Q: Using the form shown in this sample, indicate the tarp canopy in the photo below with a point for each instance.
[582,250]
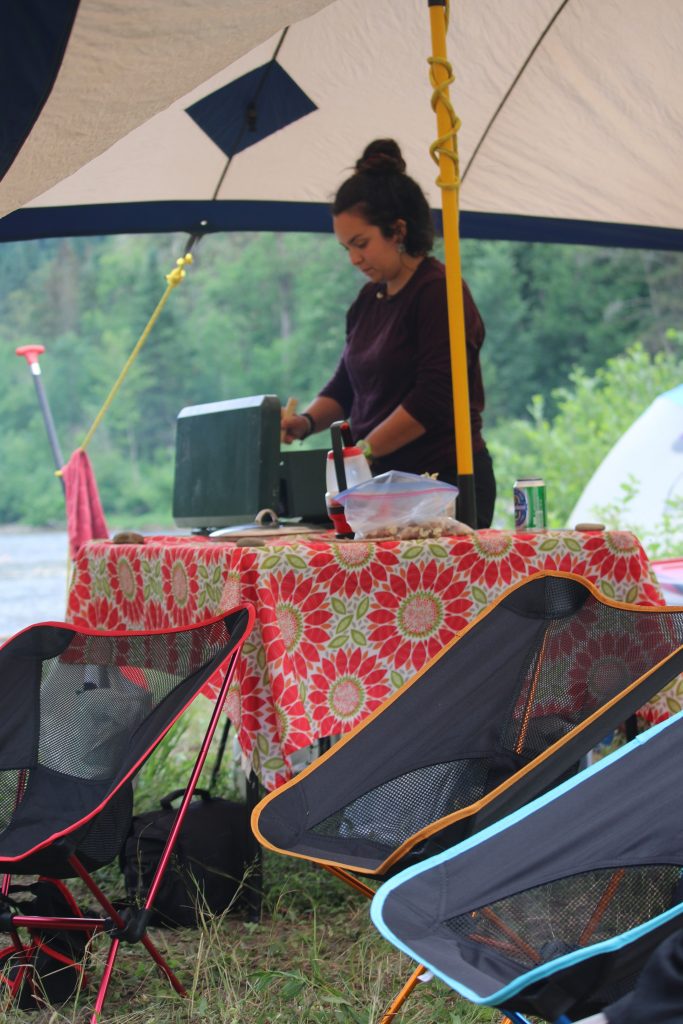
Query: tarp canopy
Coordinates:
[122,117]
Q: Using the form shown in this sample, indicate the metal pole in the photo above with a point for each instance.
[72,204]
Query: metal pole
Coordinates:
[30,353]
[449,184]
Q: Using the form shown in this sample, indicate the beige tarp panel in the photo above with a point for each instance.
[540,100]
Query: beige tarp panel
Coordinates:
[124,63]
[570,109]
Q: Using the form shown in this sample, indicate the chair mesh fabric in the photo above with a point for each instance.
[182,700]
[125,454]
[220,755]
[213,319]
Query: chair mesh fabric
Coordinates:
[82,711]
[580,662]
[554,910]
[12,786]
[91,704]
[393,812]
[550,664]
[95,694]
[103,702]
[547,921]
[103,838]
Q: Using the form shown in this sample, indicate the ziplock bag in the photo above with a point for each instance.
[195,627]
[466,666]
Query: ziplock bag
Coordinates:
[402,506]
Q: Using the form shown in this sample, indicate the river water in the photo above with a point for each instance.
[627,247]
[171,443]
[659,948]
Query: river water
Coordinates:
[33,578]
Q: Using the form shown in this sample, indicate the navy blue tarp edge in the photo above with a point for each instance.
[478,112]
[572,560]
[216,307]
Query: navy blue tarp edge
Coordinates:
[32,44]
[197,217]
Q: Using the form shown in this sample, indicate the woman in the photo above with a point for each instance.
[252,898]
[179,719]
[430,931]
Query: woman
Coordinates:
[393,380]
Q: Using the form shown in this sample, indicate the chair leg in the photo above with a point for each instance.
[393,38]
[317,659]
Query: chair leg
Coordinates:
[24,969]
[418,973]
[113,913]
[368,892]
[104,981]
[400,999]
[140,934]
[350,879]
[109,967]
[121,925]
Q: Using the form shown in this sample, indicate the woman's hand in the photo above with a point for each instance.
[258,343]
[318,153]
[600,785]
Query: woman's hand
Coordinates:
[293,427]
[321,412]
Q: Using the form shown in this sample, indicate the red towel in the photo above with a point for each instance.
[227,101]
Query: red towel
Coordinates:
[84,516]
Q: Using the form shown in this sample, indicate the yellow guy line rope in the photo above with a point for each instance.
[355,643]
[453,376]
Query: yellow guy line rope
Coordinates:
[447,144]
[173,279]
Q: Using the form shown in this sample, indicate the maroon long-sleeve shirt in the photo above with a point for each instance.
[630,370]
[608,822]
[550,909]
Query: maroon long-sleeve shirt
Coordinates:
[397,353]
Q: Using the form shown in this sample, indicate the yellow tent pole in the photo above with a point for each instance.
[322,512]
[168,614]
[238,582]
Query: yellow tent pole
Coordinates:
[449,182]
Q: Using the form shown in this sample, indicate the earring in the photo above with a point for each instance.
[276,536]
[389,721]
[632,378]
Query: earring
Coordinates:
[400,247]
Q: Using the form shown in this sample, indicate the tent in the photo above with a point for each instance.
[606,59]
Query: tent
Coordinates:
[650,453]
[122,117]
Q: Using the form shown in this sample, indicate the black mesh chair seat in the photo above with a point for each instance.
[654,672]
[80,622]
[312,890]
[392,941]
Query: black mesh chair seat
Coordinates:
[503,713]
[555,910]
[81,712]
[40,816]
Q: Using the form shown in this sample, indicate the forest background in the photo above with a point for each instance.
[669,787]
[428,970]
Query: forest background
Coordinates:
[579,341]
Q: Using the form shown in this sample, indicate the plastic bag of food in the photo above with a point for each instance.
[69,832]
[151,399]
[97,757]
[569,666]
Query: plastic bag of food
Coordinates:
[401,506]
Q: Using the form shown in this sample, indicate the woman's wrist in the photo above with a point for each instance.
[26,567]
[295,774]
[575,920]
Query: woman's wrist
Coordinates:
[366,448]
[311,425]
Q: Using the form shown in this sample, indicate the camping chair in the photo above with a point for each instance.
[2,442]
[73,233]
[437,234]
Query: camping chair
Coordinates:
[82,711]
[554,910]
[500,715]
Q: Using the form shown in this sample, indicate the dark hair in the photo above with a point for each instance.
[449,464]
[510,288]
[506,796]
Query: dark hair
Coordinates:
[383,193]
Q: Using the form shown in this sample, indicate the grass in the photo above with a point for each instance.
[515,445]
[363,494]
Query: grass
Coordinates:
[314,958]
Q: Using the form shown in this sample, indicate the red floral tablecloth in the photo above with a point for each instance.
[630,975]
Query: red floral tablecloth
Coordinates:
[339,626]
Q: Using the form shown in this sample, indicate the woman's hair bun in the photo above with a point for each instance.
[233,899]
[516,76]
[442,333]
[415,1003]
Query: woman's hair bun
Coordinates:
[382,156]
[382,193]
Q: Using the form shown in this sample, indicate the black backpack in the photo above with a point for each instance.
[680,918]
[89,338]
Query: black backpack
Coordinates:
[207,866]
[56,957]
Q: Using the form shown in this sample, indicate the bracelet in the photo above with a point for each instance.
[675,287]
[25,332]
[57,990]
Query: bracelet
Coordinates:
[366,449]
[311,425]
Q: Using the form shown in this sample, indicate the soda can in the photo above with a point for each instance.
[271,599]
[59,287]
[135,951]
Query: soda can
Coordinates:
[529,494]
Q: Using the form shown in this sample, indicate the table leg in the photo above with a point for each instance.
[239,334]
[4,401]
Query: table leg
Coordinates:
[254,882]
[254,855]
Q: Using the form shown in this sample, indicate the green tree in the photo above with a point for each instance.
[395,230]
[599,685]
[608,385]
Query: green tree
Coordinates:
[550,307]
[265,314]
